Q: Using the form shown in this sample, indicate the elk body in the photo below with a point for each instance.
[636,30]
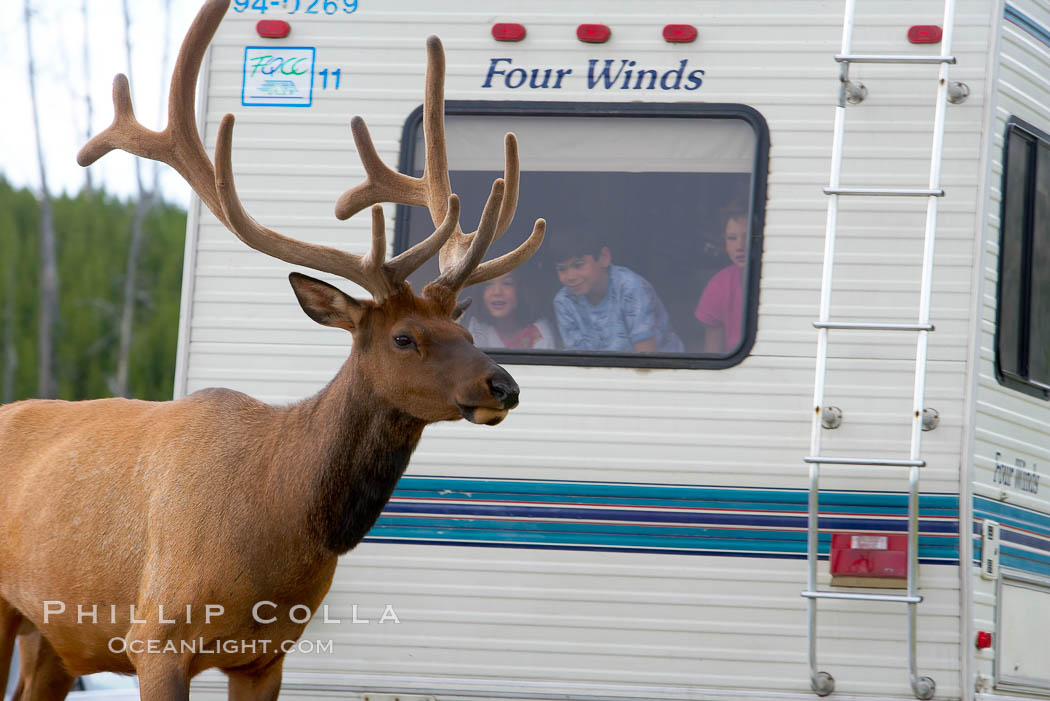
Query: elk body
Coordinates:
[218,500]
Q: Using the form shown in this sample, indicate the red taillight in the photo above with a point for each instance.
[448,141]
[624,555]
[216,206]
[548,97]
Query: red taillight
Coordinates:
[272,28]
[869,555]
[508,31]
[984,640]
[680,33]
[924,34]
[593,33]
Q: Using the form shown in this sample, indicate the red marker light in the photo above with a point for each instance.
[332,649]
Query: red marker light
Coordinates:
[508,31]
[924,34]
[680,33]
[984,640]
[593,33]
[272,28]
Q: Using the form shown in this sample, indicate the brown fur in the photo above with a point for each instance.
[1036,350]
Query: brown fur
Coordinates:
[217,499]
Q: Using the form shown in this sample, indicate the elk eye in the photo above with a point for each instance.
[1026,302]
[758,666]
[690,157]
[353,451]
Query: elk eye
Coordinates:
[403,341]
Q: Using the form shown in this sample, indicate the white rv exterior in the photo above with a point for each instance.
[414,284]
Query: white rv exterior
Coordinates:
[640,532]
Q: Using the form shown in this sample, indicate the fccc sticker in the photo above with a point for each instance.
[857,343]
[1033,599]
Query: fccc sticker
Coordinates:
[278,77]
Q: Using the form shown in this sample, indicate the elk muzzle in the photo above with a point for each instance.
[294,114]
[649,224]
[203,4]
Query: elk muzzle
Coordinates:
[502,396]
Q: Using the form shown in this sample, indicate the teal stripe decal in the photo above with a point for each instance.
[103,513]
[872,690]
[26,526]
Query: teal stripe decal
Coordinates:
[687,519]
[1024,536]
[1008,514]
[1026,23]
[665,494]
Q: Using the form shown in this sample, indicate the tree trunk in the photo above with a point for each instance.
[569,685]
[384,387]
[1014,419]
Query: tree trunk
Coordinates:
[88,182]
[46,385]
[165,58]
[142,207]
[9,355]
[127,316]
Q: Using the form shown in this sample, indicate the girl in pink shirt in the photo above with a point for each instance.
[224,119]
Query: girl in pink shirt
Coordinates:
[721,306]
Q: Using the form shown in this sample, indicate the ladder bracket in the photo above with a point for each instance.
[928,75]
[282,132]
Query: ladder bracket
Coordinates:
[931,419]
[831,417]
[850,91]
[923,688]
[823,683]
[854,92]
[958,92]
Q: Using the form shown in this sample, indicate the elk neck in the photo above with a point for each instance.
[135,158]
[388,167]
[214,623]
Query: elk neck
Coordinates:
[356,449]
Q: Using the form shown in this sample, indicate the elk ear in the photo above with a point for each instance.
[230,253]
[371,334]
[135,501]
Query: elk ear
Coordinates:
[325,304]
[461,307]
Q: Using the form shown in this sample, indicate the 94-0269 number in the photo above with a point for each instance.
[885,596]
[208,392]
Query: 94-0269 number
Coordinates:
[309,7]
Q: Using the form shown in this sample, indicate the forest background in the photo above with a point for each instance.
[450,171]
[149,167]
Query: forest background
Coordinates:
[90,259]
[92,236]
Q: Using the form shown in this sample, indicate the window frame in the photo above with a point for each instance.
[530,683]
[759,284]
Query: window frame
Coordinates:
[1021,383]
[759,176]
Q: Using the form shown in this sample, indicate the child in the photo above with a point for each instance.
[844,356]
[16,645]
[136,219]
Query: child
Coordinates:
[607,307]
[502,322]
[721,306]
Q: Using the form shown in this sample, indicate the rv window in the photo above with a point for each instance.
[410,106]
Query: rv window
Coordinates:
[1023,328]
[654,217]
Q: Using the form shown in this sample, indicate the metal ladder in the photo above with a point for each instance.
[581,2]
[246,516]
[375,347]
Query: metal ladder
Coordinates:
[822,682]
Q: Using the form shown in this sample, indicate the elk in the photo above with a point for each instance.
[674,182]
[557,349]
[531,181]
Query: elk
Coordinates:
[218,500]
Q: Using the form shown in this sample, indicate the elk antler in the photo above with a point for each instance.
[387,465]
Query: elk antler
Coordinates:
[371,272]
[180,146]
[383,184]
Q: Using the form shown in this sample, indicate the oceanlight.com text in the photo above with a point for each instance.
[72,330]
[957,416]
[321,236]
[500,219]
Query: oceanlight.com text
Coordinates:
[200,646]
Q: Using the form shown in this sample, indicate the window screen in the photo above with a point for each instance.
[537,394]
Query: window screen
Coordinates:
[653,230]
[1023,328]
[1039,328]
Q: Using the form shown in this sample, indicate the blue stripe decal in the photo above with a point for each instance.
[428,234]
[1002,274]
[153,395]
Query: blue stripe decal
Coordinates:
[737,519]
[665,494]
[654,551]
[1038,542]
[1008,557]
[650,518]
[1008,514]
[1024,535]
[1026,23]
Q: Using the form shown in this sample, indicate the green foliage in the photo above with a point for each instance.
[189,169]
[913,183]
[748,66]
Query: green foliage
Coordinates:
[93,231]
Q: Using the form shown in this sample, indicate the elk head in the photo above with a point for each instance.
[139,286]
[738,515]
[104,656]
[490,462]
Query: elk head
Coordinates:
[407,347]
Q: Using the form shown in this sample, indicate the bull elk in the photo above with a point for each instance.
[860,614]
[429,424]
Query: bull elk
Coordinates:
[217,499]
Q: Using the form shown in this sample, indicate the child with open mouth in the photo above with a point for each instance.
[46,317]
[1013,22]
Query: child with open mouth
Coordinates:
[503,320]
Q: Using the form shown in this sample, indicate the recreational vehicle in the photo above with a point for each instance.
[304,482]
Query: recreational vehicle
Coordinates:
[814,462]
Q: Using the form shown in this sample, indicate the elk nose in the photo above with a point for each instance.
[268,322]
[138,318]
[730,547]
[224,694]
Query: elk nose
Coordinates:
[503,389]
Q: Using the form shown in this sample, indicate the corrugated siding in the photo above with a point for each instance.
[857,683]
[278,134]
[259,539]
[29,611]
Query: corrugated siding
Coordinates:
[630,618]
[1009,422]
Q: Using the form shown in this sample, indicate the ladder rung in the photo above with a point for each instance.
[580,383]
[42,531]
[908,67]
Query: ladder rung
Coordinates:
[901,58]
[864,461]
[883,192]
[872,326]
[862,597]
